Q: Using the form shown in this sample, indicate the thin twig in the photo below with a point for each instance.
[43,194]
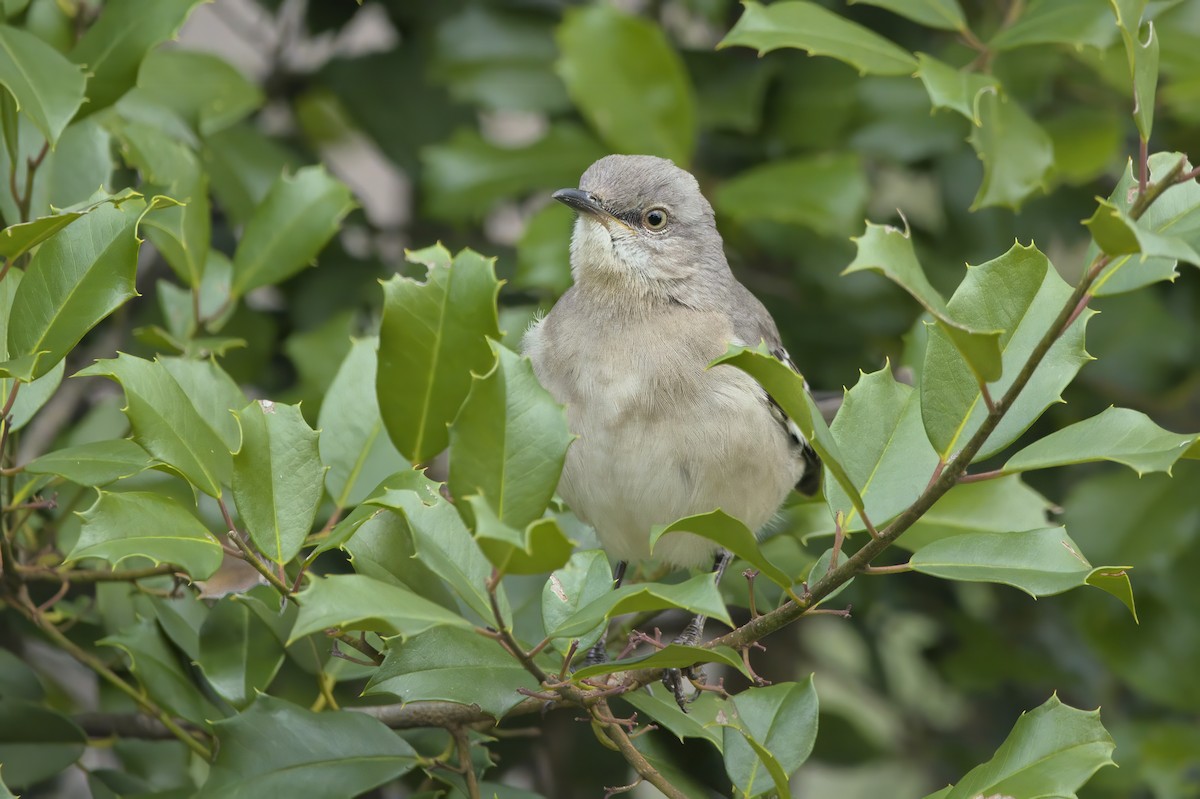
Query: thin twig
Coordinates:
[463,741]
[258,564]
[898,568]
[1143,165]
[617,734]
[979,477]
[98,666]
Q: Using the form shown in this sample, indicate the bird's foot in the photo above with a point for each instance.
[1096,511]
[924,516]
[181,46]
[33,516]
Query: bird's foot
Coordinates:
[675,679]
[598,653]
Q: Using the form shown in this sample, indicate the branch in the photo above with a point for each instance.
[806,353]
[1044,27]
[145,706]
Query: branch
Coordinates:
[95,664]
[462,740]
[616,733]
[84,576]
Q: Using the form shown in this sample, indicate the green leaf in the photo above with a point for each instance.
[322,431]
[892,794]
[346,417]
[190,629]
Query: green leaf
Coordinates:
[403,480]
[277,477]
[818,571]
[952,88]
[807,26]
[76,279]
[941,14]
[788,388]
[1117,233]
[466,176]
[731,534]
[140,523]
[1051,751]
[16,240]
[353,443]
[94,464]
[205,90]
[238,653]
[1174,217]
[827,193]
[1117,434]
[243,164]
[1129,15]
[212,392]
[509,441]
[382,547]
[1021,293]
[1078,23]
[442,542]
[582,580]
[700,720]
[275,747]
[1039,562]
[162,151]
[453,665]
[887,454]
[182,232]
[671,656]
[539,548]
[36,743]
[432,337]
[167,423]
[160,672]
[628,82]
[1017,154]
[112,49]
[769,735]
[70,175]
[1143,64]
[355,602]
[889,252]
[697,595]
[46,86]
[293,223]
[30,396]
[989,506]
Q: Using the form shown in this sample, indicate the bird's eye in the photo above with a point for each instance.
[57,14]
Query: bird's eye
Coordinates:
[655,219]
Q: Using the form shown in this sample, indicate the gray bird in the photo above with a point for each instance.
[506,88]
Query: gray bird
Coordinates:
[626,349]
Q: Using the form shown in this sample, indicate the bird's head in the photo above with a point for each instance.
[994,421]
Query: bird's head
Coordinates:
[642,221]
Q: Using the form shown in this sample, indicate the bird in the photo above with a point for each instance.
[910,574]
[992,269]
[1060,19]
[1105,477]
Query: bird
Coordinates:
[659,434]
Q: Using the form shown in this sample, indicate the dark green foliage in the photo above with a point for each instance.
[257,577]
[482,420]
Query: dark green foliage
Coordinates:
[303,539]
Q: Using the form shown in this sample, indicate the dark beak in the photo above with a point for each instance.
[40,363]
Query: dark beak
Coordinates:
[582,201]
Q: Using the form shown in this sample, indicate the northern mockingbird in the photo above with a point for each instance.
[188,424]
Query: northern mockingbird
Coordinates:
[626,349]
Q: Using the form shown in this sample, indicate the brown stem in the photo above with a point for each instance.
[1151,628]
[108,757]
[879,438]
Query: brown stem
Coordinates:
[284,590]
[895,569]
[616,733]
[254,560]
[94,575]
[31,167]
[1143,165]
[462,740]
[979,477]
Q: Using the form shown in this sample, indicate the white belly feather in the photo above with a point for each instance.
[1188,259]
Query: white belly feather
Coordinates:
[661,438]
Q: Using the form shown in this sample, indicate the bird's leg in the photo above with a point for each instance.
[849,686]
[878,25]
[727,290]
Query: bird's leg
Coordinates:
[691,635]
[599,652]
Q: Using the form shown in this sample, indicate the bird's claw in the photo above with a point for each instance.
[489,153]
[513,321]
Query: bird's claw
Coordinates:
[598,653]
[674,680]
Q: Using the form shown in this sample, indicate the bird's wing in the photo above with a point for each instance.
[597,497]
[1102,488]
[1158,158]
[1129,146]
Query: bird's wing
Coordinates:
[753,323]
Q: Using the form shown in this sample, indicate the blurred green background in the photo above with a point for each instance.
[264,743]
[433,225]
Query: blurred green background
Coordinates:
[454,120]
